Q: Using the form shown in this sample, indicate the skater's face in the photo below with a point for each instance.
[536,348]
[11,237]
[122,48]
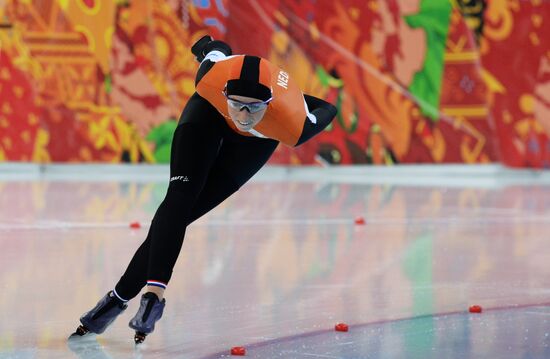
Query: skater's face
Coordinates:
[246,112]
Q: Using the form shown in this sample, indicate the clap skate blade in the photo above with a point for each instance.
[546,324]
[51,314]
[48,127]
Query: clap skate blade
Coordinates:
[81,332]
[139,337]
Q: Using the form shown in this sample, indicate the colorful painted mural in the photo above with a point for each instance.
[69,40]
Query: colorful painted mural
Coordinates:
[415,81]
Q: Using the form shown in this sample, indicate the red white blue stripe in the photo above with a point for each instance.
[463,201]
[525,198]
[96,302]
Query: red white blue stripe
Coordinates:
[157,283]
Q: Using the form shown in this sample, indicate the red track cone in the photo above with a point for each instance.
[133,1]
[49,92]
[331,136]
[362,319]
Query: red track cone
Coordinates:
[475,309]
[341,327]
[238,351]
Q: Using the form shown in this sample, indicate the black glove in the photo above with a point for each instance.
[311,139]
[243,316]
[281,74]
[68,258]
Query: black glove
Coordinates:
[206,44]
[198,47]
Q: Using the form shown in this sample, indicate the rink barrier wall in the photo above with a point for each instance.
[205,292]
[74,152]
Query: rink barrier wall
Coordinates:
[456,175]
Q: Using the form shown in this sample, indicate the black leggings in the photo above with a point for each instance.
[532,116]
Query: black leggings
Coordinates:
[209,162]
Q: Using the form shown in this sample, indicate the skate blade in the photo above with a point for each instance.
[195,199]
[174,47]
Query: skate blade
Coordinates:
[81,334]
[139,338]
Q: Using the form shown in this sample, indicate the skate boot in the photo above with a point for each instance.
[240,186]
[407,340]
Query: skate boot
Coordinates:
[98,319]
[150,310]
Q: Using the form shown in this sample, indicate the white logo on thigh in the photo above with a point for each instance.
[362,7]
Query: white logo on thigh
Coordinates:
[180,178]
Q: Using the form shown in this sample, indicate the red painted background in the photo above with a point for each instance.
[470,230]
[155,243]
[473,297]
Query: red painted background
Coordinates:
[414,80]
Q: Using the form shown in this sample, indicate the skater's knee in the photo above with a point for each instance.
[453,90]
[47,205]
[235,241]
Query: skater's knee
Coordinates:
[178,197]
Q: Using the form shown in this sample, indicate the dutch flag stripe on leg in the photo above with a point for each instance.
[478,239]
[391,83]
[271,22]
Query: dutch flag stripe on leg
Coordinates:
[156,283]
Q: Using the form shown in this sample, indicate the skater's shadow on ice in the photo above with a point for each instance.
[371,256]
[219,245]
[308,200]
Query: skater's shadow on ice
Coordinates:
[88,348]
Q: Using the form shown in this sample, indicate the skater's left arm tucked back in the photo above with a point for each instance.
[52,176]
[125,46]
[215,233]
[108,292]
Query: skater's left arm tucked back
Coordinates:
[208,51]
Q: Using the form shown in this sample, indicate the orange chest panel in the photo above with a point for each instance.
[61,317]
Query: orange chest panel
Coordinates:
[285,115]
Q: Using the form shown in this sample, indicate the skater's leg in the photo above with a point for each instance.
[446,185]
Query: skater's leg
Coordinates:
[194,149]
[168,229]
[197,111]
[235,165]
[135,276]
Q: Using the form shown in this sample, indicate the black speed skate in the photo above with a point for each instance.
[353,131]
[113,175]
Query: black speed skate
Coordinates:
[100,317]
[150,310]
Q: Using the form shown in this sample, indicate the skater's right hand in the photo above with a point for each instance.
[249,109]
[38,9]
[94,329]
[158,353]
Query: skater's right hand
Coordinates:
[198,47]
[205,44]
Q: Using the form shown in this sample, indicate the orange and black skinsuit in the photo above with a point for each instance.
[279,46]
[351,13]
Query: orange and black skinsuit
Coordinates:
[211,159]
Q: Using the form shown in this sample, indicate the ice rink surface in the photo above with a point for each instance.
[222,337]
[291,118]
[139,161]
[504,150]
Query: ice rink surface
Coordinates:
[276,266]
